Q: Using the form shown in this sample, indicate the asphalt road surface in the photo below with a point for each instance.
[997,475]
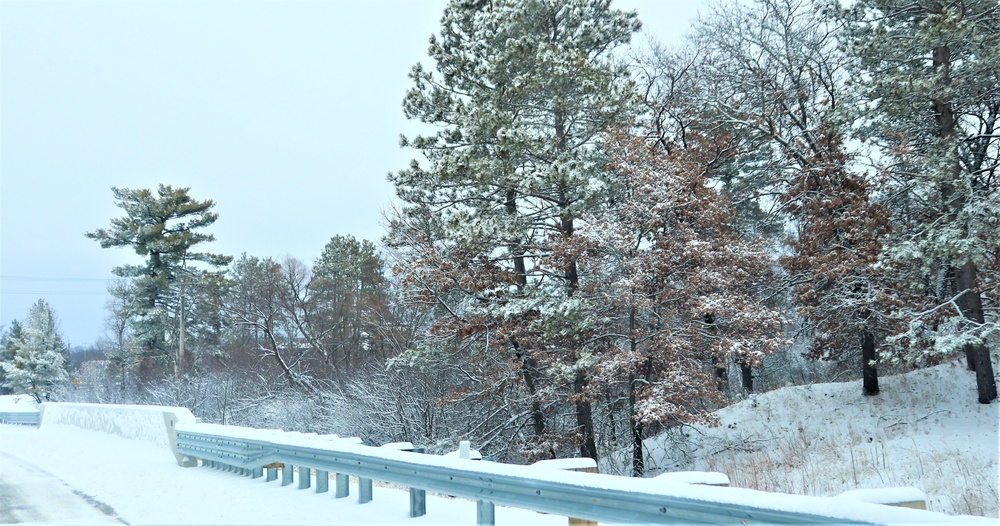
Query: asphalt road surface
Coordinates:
[30,495]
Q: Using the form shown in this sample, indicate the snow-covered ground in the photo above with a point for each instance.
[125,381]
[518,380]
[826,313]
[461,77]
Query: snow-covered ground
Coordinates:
[925,430]
[17,403]
[140,483]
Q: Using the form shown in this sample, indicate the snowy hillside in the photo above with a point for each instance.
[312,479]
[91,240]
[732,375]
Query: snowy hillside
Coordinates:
[924,430]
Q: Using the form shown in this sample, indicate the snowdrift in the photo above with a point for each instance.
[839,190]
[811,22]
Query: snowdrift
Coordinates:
[924,430]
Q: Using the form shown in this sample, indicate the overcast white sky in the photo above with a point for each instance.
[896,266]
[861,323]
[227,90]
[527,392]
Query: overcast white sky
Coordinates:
[286,113]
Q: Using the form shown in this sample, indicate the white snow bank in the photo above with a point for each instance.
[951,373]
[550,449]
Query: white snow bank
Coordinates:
[709,478]
[925,430]
[885,495]
[568,464]
[17,404]
[145,423]
[399,446]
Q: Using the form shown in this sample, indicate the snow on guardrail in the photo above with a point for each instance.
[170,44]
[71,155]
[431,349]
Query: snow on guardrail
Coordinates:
[19,409]
[590,496]
[145,423]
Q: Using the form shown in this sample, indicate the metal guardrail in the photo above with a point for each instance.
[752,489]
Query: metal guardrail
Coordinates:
[27,418]
[595,497]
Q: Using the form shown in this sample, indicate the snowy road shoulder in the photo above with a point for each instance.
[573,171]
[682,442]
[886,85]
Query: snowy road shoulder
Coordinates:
[28,494]
[144,485]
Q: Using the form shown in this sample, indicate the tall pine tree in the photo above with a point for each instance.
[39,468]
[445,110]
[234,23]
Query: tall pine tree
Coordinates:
[163,227]
[521,93]
[930,72]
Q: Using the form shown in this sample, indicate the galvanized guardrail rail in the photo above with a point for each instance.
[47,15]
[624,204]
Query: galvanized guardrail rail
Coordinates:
[595,497]
[27,418]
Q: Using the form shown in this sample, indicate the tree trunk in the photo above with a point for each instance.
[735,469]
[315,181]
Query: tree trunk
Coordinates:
[584,410]
[978,356]
[869,355]
[638,460]
[719,366]
[970,303]
[529,373]
[986,385]
[584,417]
[746,375]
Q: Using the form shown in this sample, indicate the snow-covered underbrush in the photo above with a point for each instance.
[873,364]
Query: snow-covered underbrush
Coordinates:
[925,430]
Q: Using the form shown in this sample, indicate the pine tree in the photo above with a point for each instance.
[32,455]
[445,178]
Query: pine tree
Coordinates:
[162,227]
[35,354]
[521,93]
[348,284]
[930,74]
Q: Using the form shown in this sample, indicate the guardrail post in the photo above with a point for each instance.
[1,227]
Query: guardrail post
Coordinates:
[287,474]
[418,502]
[485,513]
[904,497]
[418,497]
[343,488]
[364,490]
[322,481]
[582,465]
[305,477]
[257,473]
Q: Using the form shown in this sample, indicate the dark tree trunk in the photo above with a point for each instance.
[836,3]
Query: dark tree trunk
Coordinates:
[971,304]
[584,417]
[869,356]
[978,356]
[529,373]
[529,366]
[746,375]
[638,458]
[970,357]
[719,367]
[721,373]
[584,409]
[986,385]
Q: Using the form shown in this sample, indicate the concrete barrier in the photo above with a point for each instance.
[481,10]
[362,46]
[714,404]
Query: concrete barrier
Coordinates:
[146,423]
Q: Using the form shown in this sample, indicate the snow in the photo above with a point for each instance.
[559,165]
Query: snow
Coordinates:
[28,495]
[136,422]
[696,477]
[925,430]
[17,404]
[568,464]
[143,485]
[885,495]
[399,446]
[918,418]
